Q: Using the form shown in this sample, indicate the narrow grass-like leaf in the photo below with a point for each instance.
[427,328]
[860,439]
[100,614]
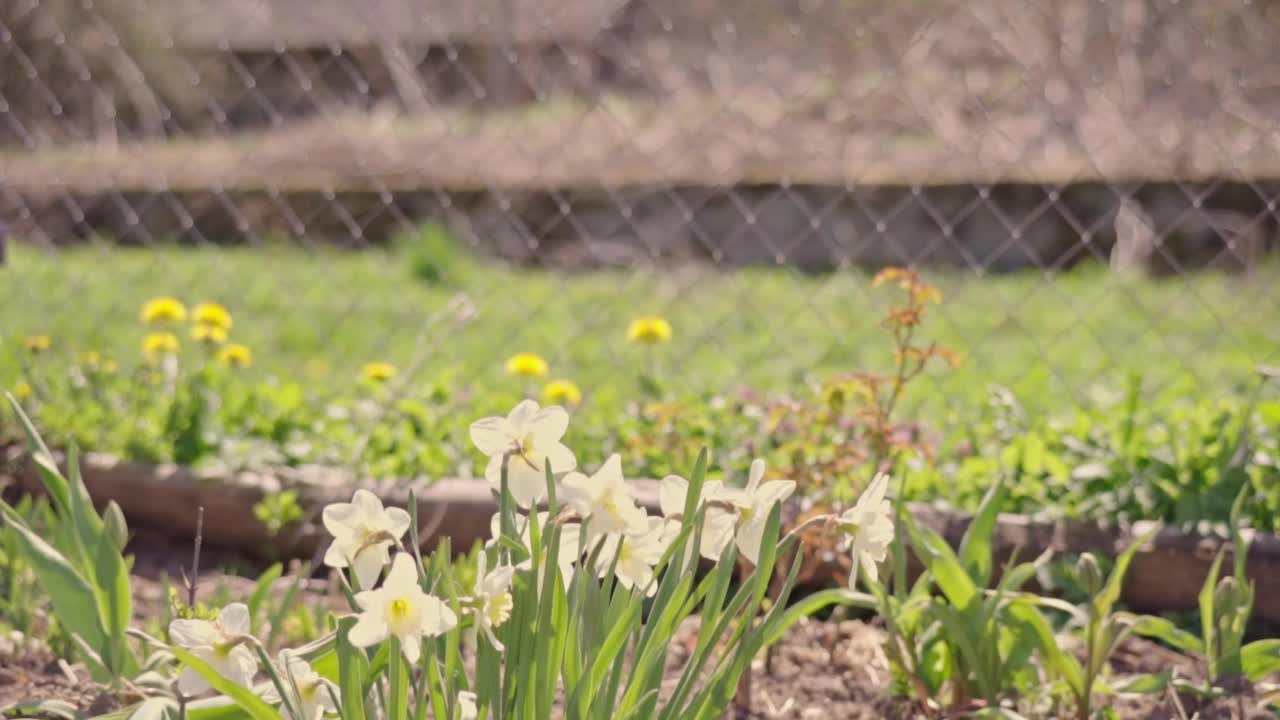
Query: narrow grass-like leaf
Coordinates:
[353,665]
[1110,593]
[398,674]
[259,595]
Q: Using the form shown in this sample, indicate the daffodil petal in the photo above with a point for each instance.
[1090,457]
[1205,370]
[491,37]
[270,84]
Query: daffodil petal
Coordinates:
[368,631]
[560,457]
[234,619]
[194,633]
[672,492]
[190,683]
[549,425]
[492,436]
[368,565]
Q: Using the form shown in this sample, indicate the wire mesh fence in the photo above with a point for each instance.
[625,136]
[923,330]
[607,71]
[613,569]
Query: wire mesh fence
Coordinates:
[737,166]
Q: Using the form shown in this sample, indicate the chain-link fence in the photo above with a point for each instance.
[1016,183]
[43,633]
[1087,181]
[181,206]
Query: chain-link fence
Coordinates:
[676,145]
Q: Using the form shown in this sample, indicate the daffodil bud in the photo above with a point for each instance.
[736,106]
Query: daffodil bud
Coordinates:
[1089,573]
[1226,597]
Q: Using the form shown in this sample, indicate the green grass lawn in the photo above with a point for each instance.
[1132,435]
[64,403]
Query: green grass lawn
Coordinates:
[1055,342]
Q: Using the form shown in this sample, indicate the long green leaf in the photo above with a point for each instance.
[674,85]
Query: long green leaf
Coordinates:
[1115,582]
[811,604]
[353,665]
[976,554]
[115,606]
[54,482]
[244,697]
[260,590]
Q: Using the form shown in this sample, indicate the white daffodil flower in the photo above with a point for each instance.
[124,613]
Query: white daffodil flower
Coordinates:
[363,533]
[492,598]
[868,528]
[400,608]
[719,520]
[569,539]
[220,643]
[636,555]
[754,503]
[310,695]
[532,436]
[467,706]
[605,500]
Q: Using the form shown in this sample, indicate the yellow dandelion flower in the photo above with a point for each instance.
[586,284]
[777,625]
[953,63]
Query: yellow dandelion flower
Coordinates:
[236,355]
[36,344]
[162,310]
[562,392]
[93,361]
[378,372]
[157,345]
[211,314]
[650,330]
[22,390]
[208,334]
[527,365]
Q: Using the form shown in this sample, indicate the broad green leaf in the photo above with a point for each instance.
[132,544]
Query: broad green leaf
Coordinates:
[1145,684]
[976,554]
[1260,658]
[1064,664]
[353,664]
[216,708]
[51,708]
[243,697]
[942,564]
[1164,630]
[72,597]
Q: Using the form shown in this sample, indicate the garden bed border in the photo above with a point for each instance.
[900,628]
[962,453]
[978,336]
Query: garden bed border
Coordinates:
[1166,575]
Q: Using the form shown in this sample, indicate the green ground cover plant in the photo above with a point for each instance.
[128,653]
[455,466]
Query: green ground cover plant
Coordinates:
[1150,432]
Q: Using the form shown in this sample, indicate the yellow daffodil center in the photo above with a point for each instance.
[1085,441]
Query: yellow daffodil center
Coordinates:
[610,506]
[400,608]
[498,609]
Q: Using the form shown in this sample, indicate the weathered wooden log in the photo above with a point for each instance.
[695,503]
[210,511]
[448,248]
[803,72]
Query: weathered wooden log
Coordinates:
[1165,575]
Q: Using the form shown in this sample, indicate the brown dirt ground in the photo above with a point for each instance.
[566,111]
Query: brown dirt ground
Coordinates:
[819,670]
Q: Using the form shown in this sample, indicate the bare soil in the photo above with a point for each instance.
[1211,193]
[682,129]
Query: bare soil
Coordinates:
[819,670]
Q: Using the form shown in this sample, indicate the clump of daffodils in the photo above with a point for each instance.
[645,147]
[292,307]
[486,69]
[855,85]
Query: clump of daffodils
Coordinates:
[530,641]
